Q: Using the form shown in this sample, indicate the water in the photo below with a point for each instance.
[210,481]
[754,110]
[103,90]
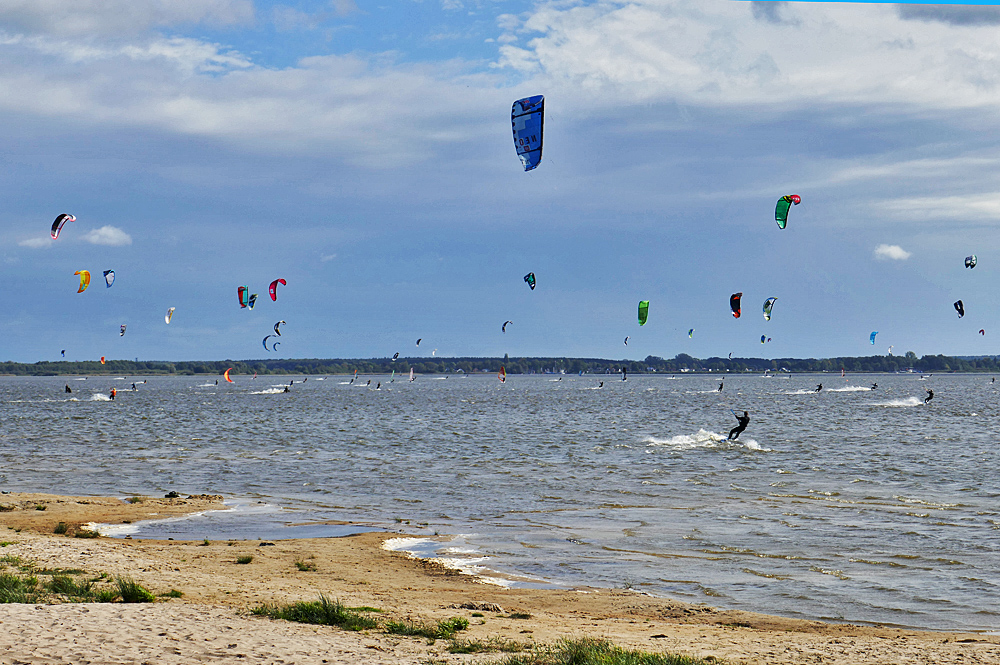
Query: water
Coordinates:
[848,505]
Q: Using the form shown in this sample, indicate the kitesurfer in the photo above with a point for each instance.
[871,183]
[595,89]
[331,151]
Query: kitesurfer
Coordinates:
[133,387]
[720,386]
[378,386]
[216,382]
[874,386]
[287,389]
[369,382]
[743,421]
[819,387]
[930,395]
[113,393]
[68,389]
[601,385]
[624,374]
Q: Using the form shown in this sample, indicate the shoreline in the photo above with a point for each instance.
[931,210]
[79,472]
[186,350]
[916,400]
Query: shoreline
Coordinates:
[359,571]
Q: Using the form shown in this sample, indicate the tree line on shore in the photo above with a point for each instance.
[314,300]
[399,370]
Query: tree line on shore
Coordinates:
[651,364]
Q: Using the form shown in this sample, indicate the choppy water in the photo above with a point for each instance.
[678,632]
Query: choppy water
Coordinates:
[854,505]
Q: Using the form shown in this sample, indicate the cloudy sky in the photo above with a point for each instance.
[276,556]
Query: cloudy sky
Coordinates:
[363,153]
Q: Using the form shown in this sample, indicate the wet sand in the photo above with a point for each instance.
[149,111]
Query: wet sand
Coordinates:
[210,623]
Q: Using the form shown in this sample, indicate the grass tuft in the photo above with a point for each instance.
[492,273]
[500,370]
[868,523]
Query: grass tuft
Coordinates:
[246,558]
[40,507]
[60,528]
[16,589]
[492,645]
[588,651]
[305,567]
[136,499]
[86,533]
[173,593]
[133,592]
[65,585]
[324,612]
[443,630]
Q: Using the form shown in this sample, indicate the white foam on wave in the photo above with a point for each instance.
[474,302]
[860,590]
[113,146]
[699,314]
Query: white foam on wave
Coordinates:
[267,391]
[703,439]
[99,397]
[205,385]
[799,392]
[905,401]
[848,389]
[345,383]
[468,563]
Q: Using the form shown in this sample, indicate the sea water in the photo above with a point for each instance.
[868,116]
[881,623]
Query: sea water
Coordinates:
[845,504]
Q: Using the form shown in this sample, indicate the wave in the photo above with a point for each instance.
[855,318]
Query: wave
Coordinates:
[99,397]
[906,401]
[704,439]
[205,385]
[267,391]
[848,389]
[800,392]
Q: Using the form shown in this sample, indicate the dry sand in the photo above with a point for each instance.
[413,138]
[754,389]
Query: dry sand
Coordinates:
[210,623]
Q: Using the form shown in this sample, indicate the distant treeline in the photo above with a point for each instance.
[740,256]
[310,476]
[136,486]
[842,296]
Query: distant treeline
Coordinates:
[651,364]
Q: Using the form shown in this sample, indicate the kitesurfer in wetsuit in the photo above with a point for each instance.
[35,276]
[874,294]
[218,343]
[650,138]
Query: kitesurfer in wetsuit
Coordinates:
[874,386]
[930,395]
[113,393]
[735,432]
[287,390]
[624,374]
[720,387]
[379,386]
[68,389]
[602,385]
[133,387]
[819,387]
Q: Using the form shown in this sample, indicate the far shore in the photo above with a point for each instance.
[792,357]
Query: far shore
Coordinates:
[210,621]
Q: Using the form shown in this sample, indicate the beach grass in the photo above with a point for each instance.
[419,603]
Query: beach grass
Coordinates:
[61,528]
[17,589]
[444,629]
[245,559]
[588,651]
[305,567]
[491,645]
[324,612]
[86,533]
[132,592]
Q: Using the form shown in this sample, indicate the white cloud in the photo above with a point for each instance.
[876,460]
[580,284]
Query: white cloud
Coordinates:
[37,243]
[115,17]
[327,257]
[108,235]
[894,252]
[719,54]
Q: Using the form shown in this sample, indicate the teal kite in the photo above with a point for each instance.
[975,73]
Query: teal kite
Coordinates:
[781,210]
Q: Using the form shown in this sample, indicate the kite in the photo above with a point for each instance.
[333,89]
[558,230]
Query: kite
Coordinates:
[419,340]
[64,353]
[252,301]
[982,331]
[434,352]
[244,295]
[411,374]
[109,277]
[764,339]
[502,375]
[274,347]
[394,356]
[527,118]
[265,342]
[890,350]
[102,360]
[58,224]
[626,340]
[643,311]
[871,337]
[122,333]
[781,210]
[960,308]
[226,374]
[84,280]
[530,279]
[691,333]
[768,304]
[734,304]
[273,289]
[503,328]
[730,355]
[169,315]
[276,331]
[971,261]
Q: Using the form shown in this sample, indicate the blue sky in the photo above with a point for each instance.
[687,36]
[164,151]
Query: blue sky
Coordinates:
[363,153]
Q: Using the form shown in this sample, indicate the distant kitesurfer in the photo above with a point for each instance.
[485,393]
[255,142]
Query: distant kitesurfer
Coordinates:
[874,386]
[600,386]
[113,393]
[68,389]
[287,390]
[369,382]
[305,379]
[378,386]
[216,382]
[133,387]
[720,387]
[930,395]
[624,374]
[743,421]
[819,387]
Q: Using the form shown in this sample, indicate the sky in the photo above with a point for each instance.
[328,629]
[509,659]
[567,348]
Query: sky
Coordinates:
[363,153]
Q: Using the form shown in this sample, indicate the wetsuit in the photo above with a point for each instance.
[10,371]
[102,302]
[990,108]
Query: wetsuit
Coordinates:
[602,385]
[68,389]
[735,432]
[819,387]
[930,396]
[720,387]
[874,386]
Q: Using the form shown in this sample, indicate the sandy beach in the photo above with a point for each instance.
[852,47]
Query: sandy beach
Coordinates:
[211,621]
